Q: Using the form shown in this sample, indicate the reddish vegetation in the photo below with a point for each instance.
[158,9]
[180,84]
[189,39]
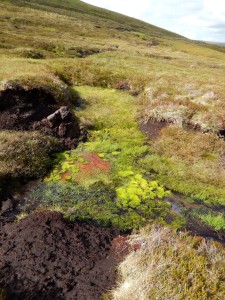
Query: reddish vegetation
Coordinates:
[92,166]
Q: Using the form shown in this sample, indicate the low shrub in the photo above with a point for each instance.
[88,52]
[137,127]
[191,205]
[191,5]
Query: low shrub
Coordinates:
[32,54]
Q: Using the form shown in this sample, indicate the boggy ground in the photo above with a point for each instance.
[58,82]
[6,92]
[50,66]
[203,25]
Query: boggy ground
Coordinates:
[45,257]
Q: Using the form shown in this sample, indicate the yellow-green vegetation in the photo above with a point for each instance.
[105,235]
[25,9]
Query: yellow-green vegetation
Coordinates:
[98,204]
[51,44]
[217,221]
[178,80]
[115,71]
[114,136]
[168,265]
[138,190]
[45,43]
[125,197]
[64,164]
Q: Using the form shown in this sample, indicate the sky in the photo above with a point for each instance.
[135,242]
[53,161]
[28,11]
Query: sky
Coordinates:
[195,19]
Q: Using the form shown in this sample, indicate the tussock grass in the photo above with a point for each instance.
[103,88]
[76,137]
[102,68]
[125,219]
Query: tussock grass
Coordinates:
[180,101]
[191,163]
[169,265]
[190,146]
[25,154]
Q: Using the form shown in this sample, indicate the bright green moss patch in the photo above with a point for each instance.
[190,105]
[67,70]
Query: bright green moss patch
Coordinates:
[84,168]
[100,181]
[65,167]
[138,191]
[115,138]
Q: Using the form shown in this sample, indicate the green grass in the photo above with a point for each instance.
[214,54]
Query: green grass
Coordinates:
[190,163]
[217,221]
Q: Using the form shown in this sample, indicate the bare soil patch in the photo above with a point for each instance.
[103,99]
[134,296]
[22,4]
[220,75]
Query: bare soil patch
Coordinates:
[45,257]
[152,128]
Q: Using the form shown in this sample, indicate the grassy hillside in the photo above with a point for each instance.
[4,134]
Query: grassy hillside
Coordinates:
[118,74]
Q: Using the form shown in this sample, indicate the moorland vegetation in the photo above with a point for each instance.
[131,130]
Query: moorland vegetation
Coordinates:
[116,74]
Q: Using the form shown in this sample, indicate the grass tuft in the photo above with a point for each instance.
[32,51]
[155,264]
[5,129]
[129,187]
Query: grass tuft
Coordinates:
[169,265]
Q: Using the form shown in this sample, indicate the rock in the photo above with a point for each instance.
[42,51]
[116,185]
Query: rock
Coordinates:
[53,120]
[61,124]
[7,206]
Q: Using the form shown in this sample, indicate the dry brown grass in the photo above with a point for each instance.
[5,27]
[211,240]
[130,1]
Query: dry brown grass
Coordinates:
[190,146]
[171,266]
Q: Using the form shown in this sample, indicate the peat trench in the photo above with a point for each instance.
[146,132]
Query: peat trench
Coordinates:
[43,256]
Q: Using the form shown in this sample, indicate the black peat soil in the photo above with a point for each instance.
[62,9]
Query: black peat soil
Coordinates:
[43,256]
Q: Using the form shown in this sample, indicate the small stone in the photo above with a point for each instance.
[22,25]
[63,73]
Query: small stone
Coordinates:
[65,113]
[7,206]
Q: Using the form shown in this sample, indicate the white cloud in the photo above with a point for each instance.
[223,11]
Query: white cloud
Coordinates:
[196,19]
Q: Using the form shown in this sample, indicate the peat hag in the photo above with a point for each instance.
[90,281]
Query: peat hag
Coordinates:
[37,109]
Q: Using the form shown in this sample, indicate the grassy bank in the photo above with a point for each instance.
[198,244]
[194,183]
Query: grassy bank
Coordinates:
[172,266]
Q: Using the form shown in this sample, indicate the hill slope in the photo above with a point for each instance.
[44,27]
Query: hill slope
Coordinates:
[56,45]
[153,103]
